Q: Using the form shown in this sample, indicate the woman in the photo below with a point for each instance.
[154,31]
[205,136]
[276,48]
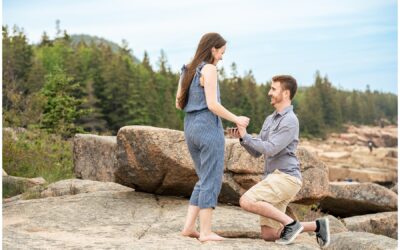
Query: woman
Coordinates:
[198,95]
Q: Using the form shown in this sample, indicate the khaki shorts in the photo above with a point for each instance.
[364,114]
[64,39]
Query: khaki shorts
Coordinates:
[278,189]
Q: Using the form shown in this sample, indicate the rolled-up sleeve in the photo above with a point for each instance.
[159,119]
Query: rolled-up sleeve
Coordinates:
[277,141]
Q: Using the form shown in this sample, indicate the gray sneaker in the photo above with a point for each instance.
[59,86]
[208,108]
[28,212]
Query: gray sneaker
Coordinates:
[289,233]
[323,234]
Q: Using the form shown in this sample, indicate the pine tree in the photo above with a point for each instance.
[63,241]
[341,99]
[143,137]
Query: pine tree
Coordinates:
[330,107]
[60,111]
[311,114]
[45,40]
[17,63]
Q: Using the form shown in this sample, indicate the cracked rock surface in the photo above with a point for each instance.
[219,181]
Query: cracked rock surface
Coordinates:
[101,215]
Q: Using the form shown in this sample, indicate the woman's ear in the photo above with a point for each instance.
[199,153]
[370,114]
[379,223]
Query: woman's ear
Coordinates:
[213,50]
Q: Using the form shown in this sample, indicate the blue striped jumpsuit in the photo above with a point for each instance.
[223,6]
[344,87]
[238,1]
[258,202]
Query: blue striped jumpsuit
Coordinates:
[205,139]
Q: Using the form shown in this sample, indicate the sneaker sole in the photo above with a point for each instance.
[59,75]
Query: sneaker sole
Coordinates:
[328,233]
[291,239]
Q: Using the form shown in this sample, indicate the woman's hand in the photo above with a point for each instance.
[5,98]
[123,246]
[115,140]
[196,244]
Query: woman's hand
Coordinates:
[177,104]
[242,121]
[242,131]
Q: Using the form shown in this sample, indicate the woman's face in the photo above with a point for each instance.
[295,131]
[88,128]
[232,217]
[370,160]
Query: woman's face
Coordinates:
[218,53]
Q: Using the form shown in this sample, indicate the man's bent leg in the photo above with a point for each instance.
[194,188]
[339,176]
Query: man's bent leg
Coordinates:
[264,209]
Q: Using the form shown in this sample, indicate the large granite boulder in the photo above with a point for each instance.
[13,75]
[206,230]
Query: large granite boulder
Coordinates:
[380,223]
[382,137]
[157,161]
[394,188]
[95,157]
[350,198]
[361,241]
[315,178]
[336,225]
[154,160]
[376,175]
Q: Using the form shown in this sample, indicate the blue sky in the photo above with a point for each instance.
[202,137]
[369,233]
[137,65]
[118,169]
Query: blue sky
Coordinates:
[353,42]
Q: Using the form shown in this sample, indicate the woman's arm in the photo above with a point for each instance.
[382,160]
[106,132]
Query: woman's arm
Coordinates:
[209,72]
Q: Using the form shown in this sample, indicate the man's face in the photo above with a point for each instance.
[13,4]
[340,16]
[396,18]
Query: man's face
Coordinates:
[276,93]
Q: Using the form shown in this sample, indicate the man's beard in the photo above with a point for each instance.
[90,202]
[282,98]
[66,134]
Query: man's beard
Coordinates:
[275,100]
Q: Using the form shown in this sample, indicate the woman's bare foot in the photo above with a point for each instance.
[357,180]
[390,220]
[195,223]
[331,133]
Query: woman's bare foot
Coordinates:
[211,237]
[190,233]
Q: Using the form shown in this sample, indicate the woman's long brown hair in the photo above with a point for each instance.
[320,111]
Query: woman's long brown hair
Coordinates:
[203,53]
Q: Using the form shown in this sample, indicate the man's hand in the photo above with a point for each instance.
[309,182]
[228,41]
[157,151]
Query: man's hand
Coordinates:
[234,132]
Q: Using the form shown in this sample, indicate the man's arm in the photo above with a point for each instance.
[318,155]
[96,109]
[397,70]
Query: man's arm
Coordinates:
[235,133]
[277,141]
[249,149]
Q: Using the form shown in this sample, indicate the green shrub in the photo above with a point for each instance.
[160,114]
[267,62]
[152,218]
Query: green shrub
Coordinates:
[33,153]
[12,190]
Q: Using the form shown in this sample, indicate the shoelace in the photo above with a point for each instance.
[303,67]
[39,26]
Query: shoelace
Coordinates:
[286,231]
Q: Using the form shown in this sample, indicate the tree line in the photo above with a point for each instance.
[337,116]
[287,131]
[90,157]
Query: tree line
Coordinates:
[68,85]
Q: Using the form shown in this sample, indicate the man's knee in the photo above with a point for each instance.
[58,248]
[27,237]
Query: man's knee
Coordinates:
[268,237]
[269,234]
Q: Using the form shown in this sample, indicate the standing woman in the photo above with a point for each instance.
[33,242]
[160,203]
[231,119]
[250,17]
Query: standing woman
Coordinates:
[199,96]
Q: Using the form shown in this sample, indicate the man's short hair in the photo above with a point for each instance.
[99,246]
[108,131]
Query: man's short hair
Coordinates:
[287,83]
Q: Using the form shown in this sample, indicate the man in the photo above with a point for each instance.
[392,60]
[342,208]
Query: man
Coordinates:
[371,145]
[278,141]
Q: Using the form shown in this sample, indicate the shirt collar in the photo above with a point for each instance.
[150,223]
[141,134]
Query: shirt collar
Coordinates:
[284,111]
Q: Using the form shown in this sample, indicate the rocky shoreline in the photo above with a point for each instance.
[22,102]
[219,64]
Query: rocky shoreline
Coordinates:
[132,191]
